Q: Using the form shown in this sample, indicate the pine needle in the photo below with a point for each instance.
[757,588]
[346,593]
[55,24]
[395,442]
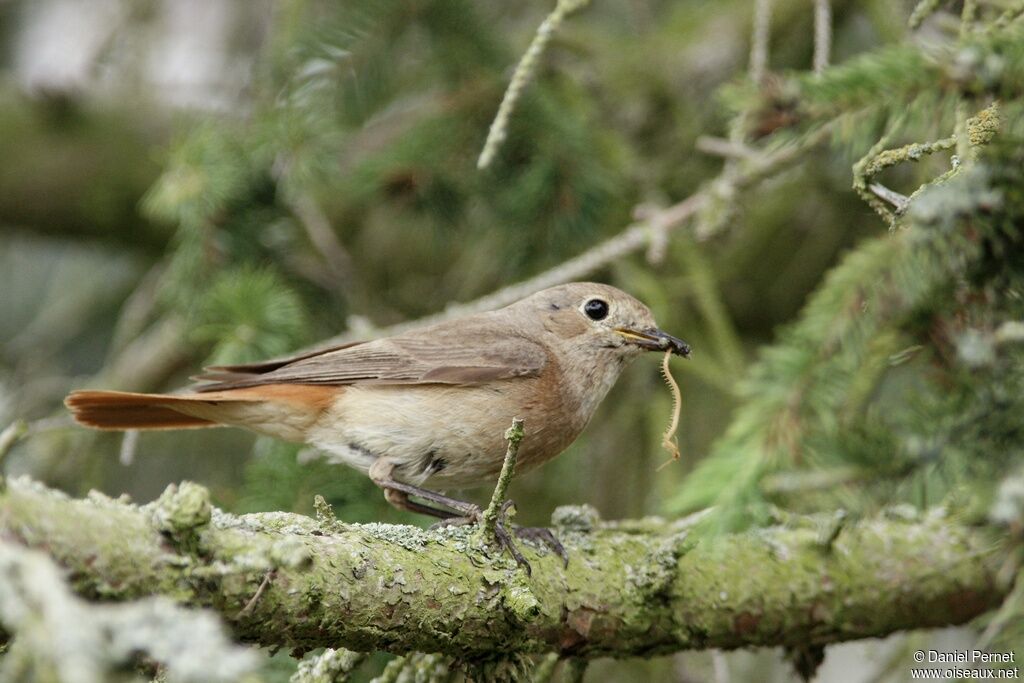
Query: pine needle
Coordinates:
[668,440]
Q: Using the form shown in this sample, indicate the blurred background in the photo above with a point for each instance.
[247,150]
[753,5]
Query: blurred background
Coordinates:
[188,182]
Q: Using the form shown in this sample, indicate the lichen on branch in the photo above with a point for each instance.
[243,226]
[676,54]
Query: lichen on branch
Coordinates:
[636,588]
[60,637]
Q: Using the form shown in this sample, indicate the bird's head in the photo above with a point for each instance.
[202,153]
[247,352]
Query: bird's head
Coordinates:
[593,317]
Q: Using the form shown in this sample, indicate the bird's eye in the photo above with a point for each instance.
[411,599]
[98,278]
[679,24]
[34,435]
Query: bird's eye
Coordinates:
[596,309]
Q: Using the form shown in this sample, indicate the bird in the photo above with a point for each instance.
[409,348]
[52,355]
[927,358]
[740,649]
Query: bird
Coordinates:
[425,411]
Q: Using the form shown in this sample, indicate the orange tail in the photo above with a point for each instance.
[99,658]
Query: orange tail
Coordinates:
[120,410]
[283,410]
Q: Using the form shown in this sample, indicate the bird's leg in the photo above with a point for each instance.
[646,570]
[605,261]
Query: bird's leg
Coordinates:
[534,534]
[397,493]
[501,532]
[400,500]
[381,473]
[461,513]
[504,532]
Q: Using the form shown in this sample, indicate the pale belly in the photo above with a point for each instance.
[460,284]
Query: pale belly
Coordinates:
[446,437]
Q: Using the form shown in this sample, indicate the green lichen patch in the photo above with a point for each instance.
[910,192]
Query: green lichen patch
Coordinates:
[181,508]
[408,537]
[582,518]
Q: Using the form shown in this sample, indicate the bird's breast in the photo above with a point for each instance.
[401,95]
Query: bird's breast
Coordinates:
[450,436]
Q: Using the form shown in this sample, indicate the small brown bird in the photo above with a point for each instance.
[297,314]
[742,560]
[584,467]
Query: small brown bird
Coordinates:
[426,409]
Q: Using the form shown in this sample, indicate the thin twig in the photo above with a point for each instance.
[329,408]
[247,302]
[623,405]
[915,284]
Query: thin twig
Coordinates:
[321,234]
[150,357]
[721,194]
[1009,14]
[968,15]
[868,165]
[722,147]
[923,10]
[514,436]
[760,35]
[20,429]
[657,245]
[11,435]
[129,444]
[897,199]
[521,78]
[137,311]
[963,142]
[257,595]
[828,534]
[822,35]
[970,133]
[786,483]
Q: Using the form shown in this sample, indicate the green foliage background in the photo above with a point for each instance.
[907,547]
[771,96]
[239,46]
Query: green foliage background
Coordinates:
[842,361]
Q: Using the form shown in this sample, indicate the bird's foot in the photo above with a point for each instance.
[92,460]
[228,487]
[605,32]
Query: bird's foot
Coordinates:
[505,538]
[473,517]
[544,536]
[501,533]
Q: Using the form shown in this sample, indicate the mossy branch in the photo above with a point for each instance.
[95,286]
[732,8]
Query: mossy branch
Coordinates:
[60,637]
[636,588]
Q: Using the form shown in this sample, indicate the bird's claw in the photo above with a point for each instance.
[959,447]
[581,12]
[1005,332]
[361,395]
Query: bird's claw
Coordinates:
[459,520]
[505,539]
[546,537]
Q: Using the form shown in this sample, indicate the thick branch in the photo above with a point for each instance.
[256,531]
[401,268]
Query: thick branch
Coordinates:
[636,588]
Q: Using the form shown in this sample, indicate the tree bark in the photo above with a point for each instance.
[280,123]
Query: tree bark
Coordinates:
[642,588]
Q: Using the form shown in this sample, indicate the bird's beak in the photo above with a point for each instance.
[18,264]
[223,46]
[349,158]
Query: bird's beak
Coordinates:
[654,339]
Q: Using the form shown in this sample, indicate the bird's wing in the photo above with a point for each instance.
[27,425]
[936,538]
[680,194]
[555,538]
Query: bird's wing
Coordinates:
[470,351]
